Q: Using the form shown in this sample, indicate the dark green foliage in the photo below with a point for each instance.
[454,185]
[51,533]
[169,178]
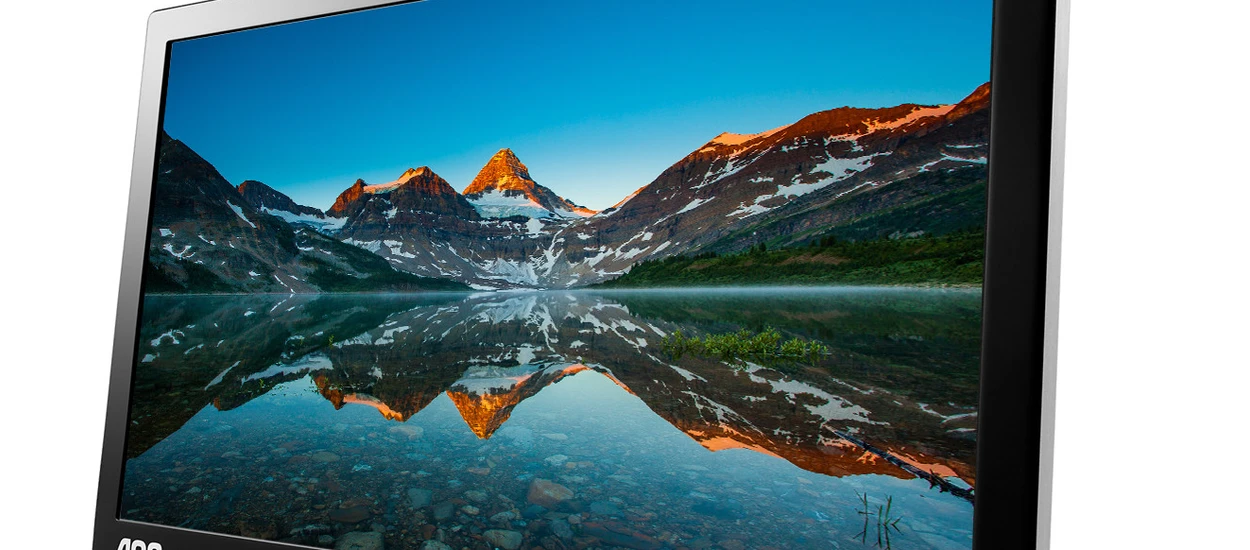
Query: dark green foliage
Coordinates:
[202,281]
[282,232]
[954,211]
[157,281]
[198,279]
[938,363]
[765,347]
[955,259]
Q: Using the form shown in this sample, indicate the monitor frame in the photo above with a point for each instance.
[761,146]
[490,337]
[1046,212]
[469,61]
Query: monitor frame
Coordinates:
[1020,292]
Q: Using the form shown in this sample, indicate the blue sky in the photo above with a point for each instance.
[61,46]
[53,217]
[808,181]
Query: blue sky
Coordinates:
[596,97]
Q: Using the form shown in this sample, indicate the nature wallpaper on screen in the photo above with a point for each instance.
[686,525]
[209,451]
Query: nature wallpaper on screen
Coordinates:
[564,275]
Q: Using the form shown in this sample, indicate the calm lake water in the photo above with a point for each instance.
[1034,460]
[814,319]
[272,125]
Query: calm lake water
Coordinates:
[557,420]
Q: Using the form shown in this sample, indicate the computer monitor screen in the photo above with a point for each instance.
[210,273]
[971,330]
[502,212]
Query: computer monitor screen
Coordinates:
[564,274]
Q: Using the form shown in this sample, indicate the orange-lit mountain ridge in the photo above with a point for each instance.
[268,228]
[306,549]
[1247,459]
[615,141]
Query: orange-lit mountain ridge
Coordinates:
[504,188]
[485,397]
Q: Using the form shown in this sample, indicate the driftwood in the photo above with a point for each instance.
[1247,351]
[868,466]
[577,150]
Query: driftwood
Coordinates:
[933,479]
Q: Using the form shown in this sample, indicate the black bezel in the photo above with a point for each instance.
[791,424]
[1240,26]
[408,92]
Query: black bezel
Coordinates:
[1020,279]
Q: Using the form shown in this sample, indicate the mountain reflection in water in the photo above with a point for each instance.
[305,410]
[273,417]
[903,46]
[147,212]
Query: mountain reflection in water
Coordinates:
[304,418]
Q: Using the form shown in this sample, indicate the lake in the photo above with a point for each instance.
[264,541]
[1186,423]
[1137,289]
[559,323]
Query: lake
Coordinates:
[558,419]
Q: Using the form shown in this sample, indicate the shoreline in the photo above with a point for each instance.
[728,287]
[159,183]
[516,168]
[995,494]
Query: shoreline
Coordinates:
[593,289]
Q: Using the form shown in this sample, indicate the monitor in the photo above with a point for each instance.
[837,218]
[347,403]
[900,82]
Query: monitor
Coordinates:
[553,274]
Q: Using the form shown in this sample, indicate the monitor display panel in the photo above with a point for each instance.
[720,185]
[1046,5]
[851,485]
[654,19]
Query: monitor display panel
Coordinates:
[569,275]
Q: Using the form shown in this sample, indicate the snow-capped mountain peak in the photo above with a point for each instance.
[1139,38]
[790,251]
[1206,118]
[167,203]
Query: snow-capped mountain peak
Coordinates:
[504,188]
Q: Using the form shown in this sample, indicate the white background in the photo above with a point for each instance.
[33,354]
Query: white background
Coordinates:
[1153,383]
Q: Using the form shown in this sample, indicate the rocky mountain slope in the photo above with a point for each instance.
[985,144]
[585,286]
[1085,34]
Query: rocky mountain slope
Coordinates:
[208,236]
[272,202]
[824,174]
[421,225]
[852,173]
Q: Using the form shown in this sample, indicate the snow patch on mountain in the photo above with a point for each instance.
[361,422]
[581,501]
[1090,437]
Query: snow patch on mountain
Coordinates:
[182,255]
[731,167]
[949,158]
[397,248]
[511,271]
[834,408]
[497,204]
[323,224]
[309,363]
[534,226]
[842,168]
[239,212]
[388,335]
[839,169]
[222,375]
[694,204]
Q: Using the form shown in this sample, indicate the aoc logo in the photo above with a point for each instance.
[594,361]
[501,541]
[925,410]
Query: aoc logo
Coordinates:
[128,544]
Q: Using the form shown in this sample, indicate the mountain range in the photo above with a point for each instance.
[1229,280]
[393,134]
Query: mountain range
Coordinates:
[853,173]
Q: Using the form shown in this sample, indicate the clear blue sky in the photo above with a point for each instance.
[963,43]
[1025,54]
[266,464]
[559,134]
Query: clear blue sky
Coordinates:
[596,97]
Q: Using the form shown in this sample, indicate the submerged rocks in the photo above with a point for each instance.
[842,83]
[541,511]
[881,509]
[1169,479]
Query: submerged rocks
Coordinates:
[614,534]
[547,493]
[444,510]
[420,498]
[728,510]
[562,529]
[605,508]
[507,540]
[360,540]
[410,432]
[311,530]
[517,436]
[351,514]
[503,517]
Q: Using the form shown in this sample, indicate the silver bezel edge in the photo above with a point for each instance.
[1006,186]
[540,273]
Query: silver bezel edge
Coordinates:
[1046,460]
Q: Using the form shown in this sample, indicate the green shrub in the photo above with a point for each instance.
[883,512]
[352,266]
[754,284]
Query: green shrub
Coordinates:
[766,347]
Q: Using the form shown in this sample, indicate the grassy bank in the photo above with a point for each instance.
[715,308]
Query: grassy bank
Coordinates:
[954,259]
